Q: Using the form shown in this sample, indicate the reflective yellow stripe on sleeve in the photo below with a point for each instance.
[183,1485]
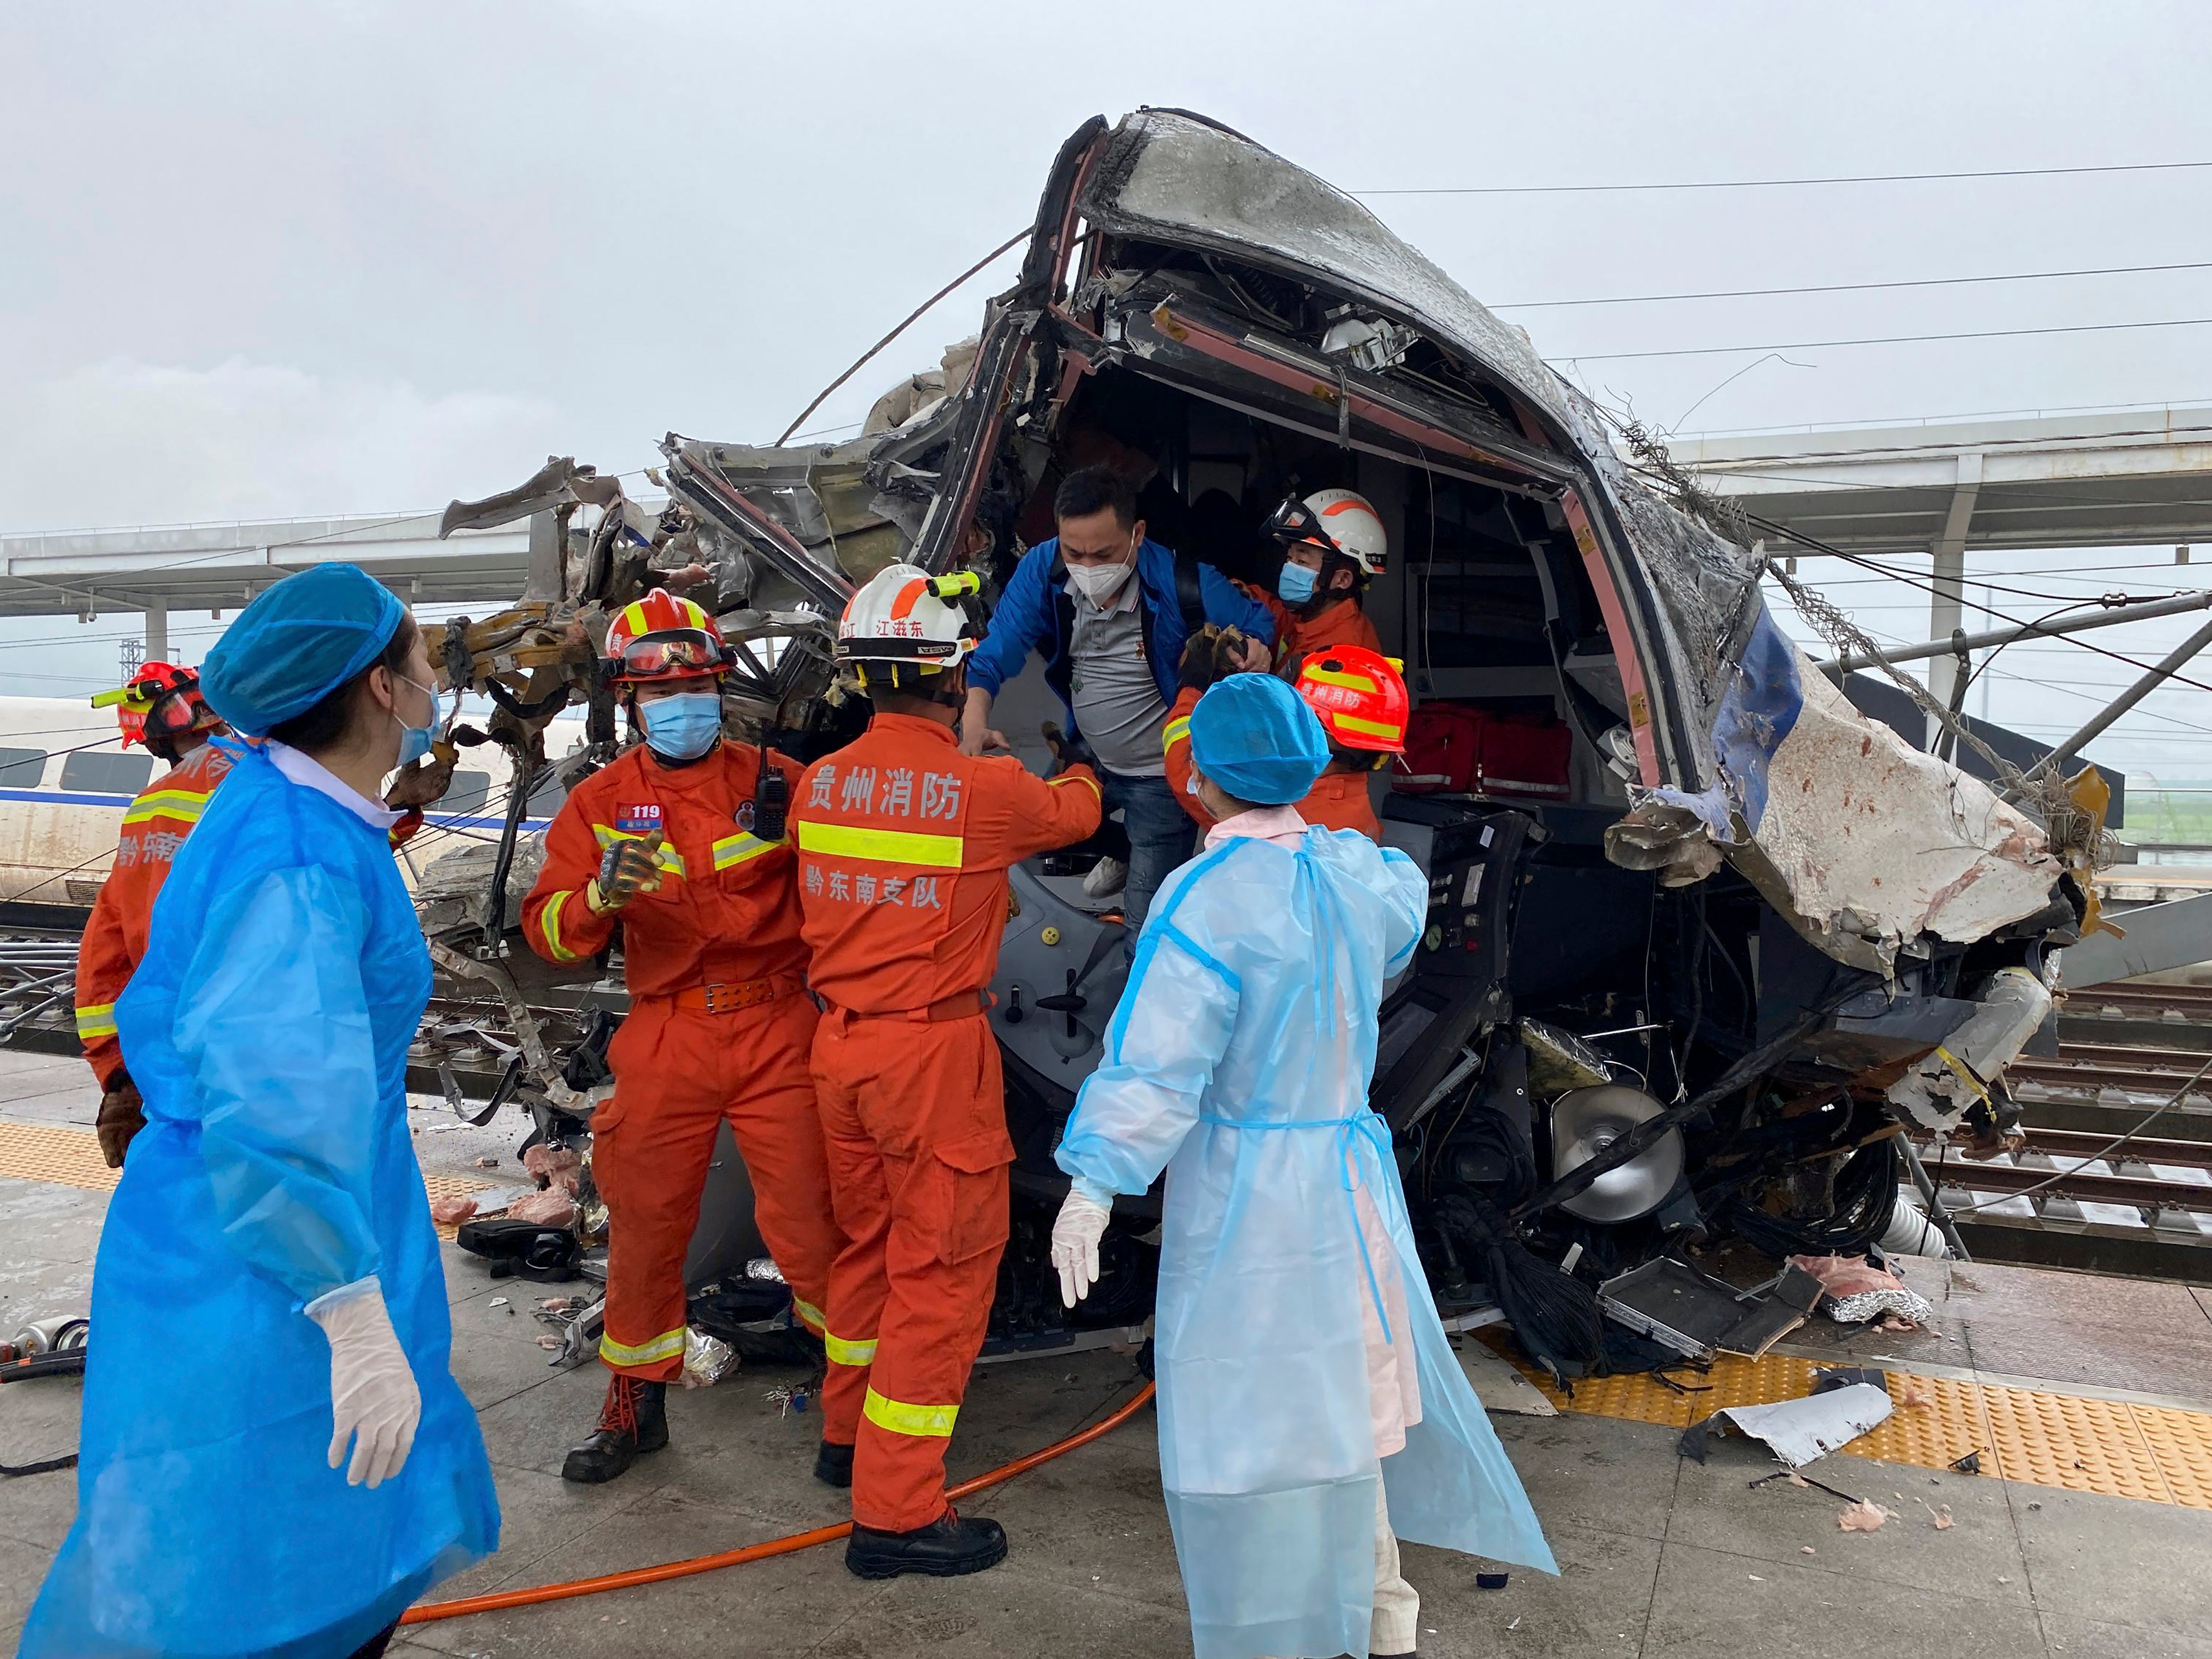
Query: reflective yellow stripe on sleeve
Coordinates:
[736,849]
[1076,777]
[182,804]
[808,1315]
[669,1344]
[900,1417]
[95,1019]
[667,857]
[550,920]
[1174,731]
[843,1352]
[883,846]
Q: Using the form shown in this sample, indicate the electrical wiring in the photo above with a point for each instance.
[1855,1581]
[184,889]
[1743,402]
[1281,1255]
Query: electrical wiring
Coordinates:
[1780,184]
[1878,339]
[1877,423]
[1841,287]
[1910,582]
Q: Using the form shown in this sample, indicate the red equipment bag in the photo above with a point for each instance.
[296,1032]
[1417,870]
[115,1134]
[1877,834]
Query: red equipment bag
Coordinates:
[1444,746]
[1523,755]
[1458,749]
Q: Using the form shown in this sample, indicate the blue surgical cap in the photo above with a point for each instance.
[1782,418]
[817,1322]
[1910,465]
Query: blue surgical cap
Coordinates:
[1256,738]
[296,643]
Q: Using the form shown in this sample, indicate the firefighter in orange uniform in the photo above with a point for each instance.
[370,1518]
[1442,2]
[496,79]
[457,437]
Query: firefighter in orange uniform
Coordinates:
[903,844]
[1362,704]
[1334,545]
[162,709]
[1361,700]
[681,840]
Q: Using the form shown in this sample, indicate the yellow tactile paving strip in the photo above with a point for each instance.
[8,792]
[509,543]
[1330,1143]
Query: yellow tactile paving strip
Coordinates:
[2121,1449]
[71,1157]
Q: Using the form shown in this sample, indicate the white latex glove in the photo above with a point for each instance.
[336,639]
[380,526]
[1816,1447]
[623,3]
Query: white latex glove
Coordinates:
[374,1401]
[1075,1238]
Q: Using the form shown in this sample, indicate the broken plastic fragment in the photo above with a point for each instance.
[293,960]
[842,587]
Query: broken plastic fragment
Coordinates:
[1865,1516]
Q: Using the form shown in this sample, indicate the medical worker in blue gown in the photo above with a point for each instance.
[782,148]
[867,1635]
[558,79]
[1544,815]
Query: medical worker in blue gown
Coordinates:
[1311,1411]
[275,1458]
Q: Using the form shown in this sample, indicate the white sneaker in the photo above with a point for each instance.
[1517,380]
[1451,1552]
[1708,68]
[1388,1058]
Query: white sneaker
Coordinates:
[1106,879]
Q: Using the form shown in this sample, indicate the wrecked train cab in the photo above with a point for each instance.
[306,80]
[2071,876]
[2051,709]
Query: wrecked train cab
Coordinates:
[1701,935]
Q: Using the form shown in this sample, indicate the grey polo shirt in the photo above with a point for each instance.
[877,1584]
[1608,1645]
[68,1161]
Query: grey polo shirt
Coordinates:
[1116,700]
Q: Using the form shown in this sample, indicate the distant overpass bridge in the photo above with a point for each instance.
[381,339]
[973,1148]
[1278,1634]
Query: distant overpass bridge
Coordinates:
[219,566]
[2126,479]
[2112,480]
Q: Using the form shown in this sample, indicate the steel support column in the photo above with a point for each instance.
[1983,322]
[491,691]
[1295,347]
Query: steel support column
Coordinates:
[1946,609]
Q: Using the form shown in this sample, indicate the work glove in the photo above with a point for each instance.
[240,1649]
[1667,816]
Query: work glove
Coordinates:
[630,867]
[374,1401]
[1215,652]
[121,1116]
[1075,1238]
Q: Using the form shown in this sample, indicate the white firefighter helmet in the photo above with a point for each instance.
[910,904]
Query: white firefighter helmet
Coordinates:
[903,614]
[1341,518]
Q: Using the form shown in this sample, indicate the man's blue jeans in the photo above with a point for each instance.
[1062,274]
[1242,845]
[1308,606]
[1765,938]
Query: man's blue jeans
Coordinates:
[1160,837]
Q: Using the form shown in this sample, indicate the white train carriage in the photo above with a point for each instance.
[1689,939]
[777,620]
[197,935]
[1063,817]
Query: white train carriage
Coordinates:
[65,780]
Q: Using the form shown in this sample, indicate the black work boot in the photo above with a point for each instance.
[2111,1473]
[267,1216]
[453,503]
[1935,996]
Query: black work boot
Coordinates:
[947,1548]
[635,1419]
[833,1464]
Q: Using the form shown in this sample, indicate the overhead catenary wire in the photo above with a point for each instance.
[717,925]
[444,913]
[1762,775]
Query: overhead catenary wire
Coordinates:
[1880,339]
[1783,184]
[1844,288]
[905,323]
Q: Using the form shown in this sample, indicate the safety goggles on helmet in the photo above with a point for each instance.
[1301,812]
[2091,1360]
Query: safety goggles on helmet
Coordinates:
[670,654]
[161,700]
[1294,522]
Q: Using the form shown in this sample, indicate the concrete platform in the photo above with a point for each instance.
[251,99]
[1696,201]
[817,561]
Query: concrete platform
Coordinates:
[1660,1556]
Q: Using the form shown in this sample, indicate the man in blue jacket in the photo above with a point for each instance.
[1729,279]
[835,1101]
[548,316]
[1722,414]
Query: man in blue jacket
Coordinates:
[1112,647]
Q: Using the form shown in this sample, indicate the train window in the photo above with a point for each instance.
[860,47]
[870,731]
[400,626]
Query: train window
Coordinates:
[545,799]
[106,775]
[20,767]
[466,796]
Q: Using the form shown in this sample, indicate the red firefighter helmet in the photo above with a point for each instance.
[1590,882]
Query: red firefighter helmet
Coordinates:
[665,637]
[163,700]
[1359,697]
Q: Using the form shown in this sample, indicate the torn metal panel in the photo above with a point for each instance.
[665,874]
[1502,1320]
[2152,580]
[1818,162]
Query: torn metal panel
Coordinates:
[1867,845]
[1799,1431]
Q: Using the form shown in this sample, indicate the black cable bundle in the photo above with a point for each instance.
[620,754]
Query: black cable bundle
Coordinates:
[1554,1316]
[1866,1198]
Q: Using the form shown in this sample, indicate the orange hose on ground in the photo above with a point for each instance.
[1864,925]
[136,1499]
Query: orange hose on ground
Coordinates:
[789,1545]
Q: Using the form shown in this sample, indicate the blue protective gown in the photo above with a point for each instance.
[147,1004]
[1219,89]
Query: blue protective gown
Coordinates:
[1238,1061]
[267,1029]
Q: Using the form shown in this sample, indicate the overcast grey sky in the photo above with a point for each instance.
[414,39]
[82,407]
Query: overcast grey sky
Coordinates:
[266,259]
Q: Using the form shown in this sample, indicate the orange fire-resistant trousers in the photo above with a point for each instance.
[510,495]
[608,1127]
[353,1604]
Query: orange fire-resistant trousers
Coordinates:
[917,1125]
[677,1074]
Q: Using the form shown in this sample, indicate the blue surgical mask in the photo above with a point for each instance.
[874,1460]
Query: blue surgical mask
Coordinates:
[683,726]
[1296,584]
[414,740]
